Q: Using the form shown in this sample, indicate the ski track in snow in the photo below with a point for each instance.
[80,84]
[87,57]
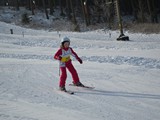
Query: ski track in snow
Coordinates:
[119,60]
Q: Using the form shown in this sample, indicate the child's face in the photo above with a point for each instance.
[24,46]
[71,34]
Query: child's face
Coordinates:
[66,44]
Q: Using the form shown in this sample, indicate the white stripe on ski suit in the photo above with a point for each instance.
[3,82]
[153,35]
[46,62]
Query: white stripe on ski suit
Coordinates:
[66,54]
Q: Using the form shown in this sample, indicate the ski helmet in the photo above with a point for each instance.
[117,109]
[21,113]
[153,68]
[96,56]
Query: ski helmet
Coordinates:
[65,39]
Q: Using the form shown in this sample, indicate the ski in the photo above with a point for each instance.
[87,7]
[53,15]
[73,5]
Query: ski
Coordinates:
[88,87]
[68,92]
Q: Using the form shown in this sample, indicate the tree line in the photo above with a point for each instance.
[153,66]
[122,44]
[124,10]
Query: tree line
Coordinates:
[94,11]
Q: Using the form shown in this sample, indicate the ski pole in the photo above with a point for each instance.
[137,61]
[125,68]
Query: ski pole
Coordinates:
[59,68]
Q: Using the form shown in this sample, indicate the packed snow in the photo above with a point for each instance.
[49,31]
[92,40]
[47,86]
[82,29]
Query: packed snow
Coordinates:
[126,76]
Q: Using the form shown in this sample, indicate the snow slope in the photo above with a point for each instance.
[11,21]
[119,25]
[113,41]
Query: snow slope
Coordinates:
[125,76]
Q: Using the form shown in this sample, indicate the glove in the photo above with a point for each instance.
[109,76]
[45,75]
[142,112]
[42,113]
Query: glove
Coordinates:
[60,58]
[80,61]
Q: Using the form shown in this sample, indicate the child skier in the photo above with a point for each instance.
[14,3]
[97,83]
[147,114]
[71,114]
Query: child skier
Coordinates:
[63,55]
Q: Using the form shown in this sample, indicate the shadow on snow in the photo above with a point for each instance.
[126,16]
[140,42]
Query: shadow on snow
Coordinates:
[120,94]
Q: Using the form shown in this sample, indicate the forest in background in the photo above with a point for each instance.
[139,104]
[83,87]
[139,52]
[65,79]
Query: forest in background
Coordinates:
[95,11]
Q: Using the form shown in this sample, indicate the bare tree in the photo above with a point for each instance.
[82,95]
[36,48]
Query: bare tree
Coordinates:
[141,12]
[155,13]
[17,4]
[51,5]
[61,7]
[32,4]
[73,13]
[152,11]
[68,9]
[45,9]
[84,12]
[134,9]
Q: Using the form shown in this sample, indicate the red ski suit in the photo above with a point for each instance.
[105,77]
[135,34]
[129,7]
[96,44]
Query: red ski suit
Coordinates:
[63,55]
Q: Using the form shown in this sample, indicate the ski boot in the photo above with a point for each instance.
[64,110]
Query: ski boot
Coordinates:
[62,89]
[78,84]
